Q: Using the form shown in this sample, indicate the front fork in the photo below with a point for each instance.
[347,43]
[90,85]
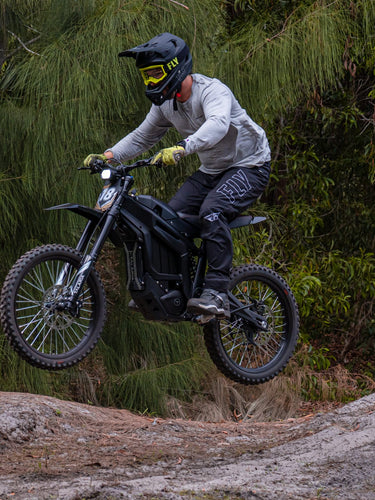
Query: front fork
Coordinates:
[71,300]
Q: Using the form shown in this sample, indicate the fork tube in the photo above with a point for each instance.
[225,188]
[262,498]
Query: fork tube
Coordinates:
[81,245]
[86,235]
[91,258]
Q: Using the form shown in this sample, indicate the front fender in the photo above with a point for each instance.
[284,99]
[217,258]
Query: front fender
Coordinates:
[87,212]
[93,215]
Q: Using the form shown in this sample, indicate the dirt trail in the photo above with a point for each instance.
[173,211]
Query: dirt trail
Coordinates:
[56,449]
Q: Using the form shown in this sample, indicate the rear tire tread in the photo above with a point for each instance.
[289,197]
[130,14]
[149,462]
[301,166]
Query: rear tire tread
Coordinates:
[212,334]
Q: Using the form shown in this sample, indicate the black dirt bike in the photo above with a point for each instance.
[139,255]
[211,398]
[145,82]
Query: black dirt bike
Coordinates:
[53,305]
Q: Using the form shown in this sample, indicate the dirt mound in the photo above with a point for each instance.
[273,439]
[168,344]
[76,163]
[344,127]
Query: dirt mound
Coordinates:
[58,449]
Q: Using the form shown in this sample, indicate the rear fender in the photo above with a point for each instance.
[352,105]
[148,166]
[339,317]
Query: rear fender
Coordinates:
[246,220]
[93,215]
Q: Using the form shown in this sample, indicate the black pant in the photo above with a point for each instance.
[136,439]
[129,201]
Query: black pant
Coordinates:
[218,199]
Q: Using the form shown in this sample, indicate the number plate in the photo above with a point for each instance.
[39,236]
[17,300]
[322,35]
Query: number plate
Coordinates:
[107,197]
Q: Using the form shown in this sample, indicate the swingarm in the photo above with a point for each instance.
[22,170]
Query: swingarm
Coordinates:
[258,321]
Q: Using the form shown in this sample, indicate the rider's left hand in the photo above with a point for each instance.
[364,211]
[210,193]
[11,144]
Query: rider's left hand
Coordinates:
[168,156]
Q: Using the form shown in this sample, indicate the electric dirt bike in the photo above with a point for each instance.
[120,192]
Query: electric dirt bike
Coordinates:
[53,305]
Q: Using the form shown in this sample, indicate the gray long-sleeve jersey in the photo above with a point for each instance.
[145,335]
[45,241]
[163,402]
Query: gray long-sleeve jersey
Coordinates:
[212,123]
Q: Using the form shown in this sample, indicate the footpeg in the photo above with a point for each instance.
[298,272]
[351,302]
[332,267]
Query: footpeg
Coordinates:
[203,319]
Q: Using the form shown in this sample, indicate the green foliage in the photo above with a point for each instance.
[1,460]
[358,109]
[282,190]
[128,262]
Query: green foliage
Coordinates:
[73,95]
[63,96]
[279,52]
[17,375]
[304,70]
[146,389]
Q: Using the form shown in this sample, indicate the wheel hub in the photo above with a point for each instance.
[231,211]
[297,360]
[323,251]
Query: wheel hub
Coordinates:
[55,308]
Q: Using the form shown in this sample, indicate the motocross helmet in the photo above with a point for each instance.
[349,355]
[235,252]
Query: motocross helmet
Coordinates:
[164,62]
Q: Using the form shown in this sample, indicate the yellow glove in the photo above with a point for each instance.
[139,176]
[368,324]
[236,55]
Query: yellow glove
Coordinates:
[169,156]
[87,161]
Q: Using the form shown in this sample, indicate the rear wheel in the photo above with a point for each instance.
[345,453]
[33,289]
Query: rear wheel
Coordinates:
[241,351]
[38,328]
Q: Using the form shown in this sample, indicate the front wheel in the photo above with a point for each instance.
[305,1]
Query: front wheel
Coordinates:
[38,328]
[241,351]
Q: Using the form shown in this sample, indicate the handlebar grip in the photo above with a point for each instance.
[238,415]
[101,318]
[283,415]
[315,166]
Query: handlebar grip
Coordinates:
[158,163]
[96,166]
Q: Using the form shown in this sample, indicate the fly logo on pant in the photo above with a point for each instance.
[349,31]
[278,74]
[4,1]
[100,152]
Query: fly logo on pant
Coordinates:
[236,186]
[212,217]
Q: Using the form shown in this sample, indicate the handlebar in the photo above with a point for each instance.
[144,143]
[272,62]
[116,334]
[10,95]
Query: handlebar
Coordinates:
[97,166]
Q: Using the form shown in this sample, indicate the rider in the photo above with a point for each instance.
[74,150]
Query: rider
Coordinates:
[233,150]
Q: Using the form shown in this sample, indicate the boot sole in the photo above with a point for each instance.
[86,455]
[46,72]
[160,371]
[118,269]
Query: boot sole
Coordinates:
[208,310]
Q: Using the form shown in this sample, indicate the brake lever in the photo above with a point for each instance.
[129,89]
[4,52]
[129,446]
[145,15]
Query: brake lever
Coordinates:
[158,164]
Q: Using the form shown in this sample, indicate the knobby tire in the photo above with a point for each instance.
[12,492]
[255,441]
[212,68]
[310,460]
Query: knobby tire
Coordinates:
[241,352]
[45,337]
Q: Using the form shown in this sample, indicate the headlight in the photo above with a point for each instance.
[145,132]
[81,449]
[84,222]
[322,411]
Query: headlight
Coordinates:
[106,174]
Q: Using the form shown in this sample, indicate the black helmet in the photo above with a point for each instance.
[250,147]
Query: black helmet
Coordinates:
[165,61]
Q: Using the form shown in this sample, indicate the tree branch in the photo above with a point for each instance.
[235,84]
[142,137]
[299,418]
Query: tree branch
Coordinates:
[277,35]
[283,30]
[24,45]
[180,4]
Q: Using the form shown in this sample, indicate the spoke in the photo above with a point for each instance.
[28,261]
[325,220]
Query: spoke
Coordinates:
[31,322]
[64,343]
[43,340]
[70,338]
[243,355]
[86,292]
[81,326]
[31,333]
[267,345]
[19,309]
[242,293]
[229,336]
[50,272]
[266,295]
[71,327]
[28,296]
[267,350]
[89,311]
[234,347]
[71,275]
[37,279]
[46,329]
[28,316]
[27,300]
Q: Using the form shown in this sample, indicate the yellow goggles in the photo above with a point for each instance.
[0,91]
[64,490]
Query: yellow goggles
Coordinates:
[153,74]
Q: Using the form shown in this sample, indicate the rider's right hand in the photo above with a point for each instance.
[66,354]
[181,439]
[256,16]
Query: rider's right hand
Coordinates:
[88,161]
[168,156]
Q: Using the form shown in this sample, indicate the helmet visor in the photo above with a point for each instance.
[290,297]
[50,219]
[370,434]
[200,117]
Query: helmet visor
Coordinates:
[153,74]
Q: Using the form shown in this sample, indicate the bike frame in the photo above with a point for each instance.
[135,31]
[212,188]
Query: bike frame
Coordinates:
[160,250]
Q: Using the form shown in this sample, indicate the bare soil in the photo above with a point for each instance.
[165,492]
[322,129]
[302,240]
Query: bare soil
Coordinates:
[53,449]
